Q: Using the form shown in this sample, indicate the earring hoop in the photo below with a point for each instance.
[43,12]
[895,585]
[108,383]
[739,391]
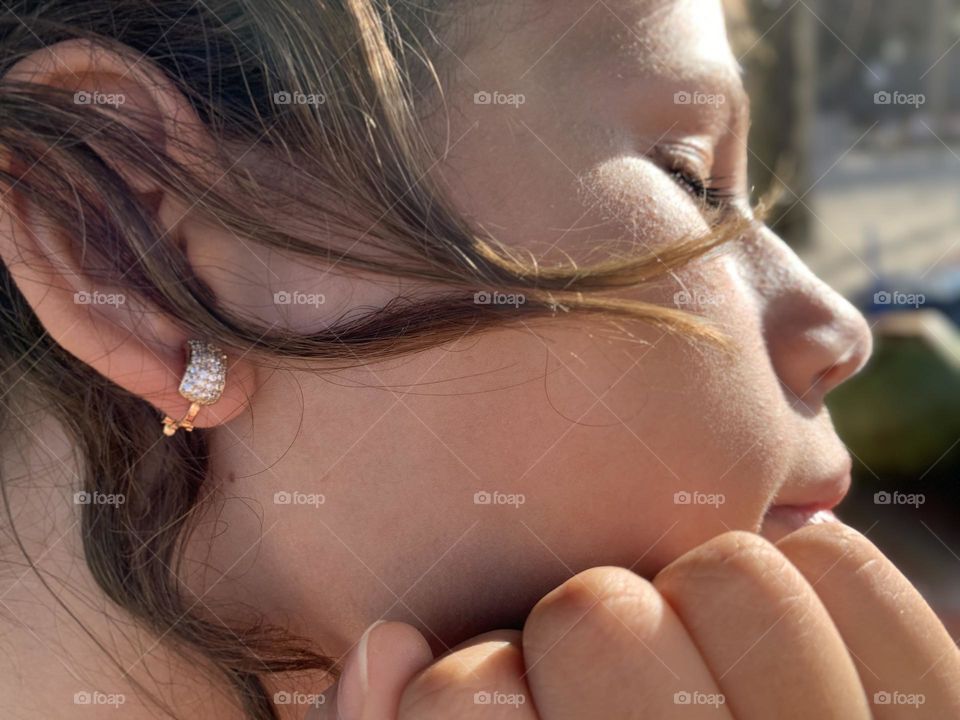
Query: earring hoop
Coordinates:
[202,383]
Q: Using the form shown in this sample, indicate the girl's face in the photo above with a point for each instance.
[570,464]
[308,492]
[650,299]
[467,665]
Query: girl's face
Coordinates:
[482,474]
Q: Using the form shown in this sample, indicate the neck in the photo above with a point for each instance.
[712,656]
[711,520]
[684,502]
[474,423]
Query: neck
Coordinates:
[74,647]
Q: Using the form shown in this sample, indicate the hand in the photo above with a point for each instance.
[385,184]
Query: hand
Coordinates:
[821,625]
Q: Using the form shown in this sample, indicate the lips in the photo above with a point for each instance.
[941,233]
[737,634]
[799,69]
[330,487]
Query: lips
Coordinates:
[782,520]
[805,504]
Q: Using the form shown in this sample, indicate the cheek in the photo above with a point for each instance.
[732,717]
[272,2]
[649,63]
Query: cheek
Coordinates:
[638,207]
[636,190]
[648,420]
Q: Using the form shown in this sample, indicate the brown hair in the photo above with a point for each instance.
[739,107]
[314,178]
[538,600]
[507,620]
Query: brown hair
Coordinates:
[366,151]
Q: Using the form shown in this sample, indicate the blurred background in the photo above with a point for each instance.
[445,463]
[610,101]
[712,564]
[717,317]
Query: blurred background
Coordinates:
[856,141]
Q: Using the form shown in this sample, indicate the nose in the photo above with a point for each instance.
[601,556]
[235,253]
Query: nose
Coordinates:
[816,339]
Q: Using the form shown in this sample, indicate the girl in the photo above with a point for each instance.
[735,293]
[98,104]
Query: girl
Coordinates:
[320,313]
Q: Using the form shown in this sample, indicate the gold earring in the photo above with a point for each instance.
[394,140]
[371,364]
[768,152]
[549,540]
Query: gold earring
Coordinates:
[202,384]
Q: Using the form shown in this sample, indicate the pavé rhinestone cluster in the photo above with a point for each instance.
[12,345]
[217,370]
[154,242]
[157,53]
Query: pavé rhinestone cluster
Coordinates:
[206,374]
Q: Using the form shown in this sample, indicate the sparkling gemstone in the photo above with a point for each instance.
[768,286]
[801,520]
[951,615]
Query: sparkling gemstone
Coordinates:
[206,373]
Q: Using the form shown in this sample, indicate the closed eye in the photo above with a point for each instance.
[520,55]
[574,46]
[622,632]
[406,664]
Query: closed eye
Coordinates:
[708,191]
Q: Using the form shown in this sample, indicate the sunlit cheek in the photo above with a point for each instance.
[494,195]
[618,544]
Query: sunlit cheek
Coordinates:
[646,204]
[649,213]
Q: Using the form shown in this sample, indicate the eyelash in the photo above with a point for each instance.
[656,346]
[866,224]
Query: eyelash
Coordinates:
[705,190]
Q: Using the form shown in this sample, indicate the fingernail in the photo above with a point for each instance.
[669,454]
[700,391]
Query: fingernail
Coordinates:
[355,680]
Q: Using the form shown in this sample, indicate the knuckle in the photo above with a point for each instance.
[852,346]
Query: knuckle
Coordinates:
[738,548]
[492,663]
[582,593]
[824,535]
[832,547]
[596,603]
[733,557]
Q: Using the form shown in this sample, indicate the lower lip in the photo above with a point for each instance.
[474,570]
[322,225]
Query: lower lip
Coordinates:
[782,520]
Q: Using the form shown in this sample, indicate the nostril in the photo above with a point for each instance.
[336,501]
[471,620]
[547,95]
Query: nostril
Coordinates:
[850,362]
[835,375]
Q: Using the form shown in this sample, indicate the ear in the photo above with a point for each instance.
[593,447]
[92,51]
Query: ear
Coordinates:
[109,328]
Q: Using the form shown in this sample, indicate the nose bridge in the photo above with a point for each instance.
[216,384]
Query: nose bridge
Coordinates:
[816,339]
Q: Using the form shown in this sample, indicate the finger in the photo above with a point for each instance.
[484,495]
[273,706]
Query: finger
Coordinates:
[906,658]
[763,632]
[479,680]
[375,673]
[605,644]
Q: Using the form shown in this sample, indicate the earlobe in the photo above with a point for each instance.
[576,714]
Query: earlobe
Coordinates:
[102,322]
